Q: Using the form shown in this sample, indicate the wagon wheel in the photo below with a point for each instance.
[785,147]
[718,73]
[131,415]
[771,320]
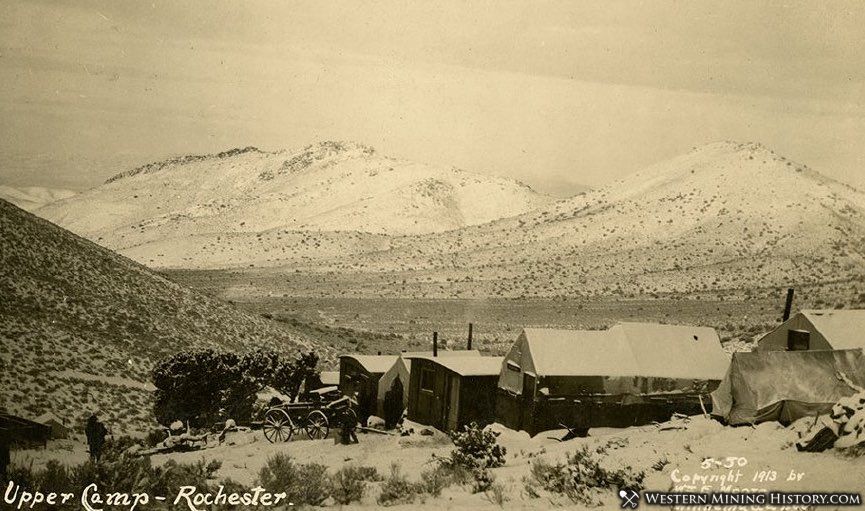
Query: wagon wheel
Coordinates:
[317,426]
[277,426]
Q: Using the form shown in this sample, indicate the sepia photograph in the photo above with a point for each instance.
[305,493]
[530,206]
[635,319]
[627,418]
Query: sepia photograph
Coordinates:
[270,254]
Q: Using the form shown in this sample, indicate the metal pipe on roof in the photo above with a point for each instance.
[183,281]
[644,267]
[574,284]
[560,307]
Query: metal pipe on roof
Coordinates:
[788,306]
[469,343]
[435,344]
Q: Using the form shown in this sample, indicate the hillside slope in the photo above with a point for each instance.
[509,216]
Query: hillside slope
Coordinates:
[81,327]
[30,198]
[725,218]
[331,186]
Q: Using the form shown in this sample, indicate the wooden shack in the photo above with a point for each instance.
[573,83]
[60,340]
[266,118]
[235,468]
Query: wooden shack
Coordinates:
[631,374]
[23,432]
[448,393]
[359,374]
[396,379]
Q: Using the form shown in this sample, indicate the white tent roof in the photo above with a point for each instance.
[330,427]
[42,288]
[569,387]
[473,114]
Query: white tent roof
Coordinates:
[676,351]
[577,352]
[843,329]
[373,363]
[629,349]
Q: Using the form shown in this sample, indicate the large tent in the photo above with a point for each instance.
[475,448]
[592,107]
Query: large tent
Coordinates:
[630,374]
[396,378]
[786,385]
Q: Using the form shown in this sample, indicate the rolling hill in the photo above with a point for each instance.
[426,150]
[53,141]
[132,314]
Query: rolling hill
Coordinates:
[725,219]
[31,198]
[155,212]
[81,327]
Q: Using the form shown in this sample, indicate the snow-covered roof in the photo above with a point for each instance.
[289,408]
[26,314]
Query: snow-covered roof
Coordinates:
[557,352]
[843,329]
[629,349]
[676,351]
[441,353]
[468,366]
[373,363]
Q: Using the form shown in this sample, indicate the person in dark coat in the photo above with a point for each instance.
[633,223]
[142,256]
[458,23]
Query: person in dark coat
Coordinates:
[96,433]
[348,428]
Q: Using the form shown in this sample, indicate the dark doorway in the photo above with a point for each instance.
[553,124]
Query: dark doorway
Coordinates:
[393,404]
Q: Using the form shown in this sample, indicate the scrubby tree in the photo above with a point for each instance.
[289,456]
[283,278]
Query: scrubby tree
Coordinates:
[206,386]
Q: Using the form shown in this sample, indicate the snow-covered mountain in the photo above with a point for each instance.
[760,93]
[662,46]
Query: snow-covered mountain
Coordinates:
[727,216]
[330,186]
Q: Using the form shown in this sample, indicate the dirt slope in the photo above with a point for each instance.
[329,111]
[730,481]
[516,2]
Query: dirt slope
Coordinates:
[80,326]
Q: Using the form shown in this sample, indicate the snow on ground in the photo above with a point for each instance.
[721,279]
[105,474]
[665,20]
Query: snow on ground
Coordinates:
[760,458]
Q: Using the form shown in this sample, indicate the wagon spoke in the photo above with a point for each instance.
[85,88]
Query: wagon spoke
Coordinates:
[317,426]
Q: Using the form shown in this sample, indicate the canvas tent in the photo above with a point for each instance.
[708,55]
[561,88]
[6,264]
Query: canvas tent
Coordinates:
[785,385]
[631,374]
[396,379]
[450,392]
[817,330]
[360,374]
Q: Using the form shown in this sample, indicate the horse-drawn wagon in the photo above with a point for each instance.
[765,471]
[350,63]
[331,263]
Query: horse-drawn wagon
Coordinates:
[314,415]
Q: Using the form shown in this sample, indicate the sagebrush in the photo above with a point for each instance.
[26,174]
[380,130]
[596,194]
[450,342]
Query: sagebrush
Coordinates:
[581,477]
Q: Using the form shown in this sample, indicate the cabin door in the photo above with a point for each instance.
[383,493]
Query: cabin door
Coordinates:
[528,400]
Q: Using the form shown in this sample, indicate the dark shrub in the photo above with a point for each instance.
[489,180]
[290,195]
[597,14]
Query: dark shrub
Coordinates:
[581,476]
[349,483]
[303,484]
[444,475]
[476,447]
[396,489]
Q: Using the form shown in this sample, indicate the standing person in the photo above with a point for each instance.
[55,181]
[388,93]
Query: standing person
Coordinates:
[95,432]
[348,433]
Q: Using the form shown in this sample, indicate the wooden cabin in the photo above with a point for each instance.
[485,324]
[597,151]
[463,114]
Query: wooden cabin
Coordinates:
[23,432]
[448,393]
[396,380]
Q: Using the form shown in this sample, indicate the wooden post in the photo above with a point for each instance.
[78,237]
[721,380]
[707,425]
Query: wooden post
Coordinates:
[435,344]
[469,344]
[788,307]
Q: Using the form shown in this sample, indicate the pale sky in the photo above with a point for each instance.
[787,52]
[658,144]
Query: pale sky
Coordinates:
[551,93]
